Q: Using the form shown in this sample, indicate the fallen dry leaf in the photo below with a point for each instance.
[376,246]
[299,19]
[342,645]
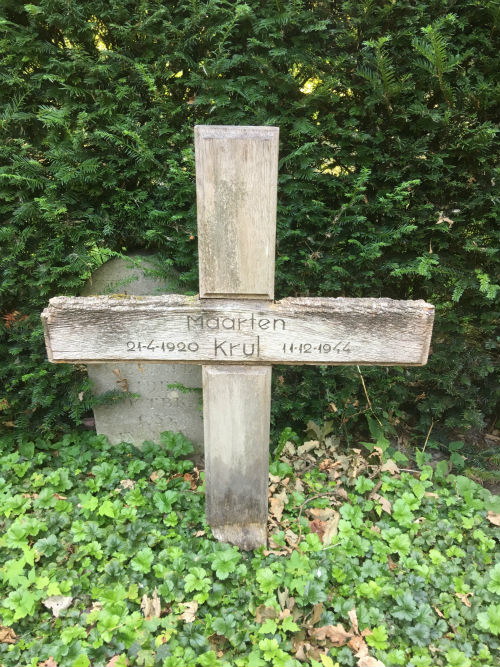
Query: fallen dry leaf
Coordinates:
[314,653]
[127,483]
[430,494]
[285,599]
[189,613]
[189,477]
[272,542]
[115,659]
[353,617]
[493,518]
[323,513]
[464,597]
[384,503]
[156,475]
[317,526]
[50,662]
[331,529]
[151,607]
[340,492]
[277,504]
[368,661]
[390,466]
[277,552]
[291,538]
[299,487]
[438,612]
[199,533]
[57,604]
[358,646]
[378,451]
[329,464]
[304,651]
[316,614]
[7,635]
[307,447]
[333,633]
[262,613]
[289,448]
[301,651]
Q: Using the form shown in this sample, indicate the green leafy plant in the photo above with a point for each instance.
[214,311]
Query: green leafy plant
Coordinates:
[413,573]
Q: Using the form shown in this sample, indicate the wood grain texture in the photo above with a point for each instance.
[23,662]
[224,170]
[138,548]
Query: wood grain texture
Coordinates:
[173,328]
[236,184]
[236,414]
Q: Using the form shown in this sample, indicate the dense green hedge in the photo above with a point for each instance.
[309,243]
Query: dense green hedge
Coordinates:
[387,112]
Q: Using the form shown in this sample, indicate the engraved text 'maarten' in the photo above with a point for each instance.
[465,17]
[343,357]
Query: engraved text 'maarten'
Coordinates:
[216,323]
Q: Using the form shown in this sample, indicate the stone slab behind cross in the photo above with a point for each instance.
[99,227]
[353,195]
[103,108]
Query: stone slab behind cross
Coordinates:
[158,403]
[234,328]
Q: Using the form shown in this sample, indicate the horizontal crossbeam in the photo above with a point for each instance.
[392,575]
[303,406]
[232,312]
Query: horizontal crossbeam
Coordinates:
[177,329]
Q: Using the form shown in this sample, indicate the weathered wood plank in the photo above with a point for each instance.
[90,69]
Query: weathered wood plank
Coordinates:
[236,185]
[236,178]
[236,413]
[174,328]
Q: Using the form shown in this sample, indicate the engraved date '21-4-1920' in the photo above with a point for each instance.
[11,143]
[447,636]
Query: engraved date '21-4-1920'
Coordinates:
[180,346]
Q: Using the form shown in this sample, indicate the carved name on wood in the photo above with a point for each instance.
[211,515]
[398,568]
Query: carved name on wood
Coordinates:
[173,329]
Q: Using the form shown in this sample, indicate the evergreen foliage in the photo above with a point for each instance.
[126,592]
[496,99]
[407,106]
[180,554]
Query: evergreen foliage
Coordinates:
[387,114]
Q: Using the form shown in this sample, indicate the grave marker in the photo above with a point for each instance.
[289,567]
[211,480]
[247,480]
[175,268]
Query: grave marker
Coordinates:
[235,329]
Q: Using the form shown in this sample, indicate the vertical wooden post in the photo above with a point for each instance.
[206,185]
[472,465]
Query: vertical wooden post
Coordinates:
[236,184]
[237,401]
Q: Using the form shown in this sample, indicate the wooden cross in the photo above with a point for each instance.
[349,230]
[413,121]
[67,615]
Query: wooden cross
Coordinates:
[234,328]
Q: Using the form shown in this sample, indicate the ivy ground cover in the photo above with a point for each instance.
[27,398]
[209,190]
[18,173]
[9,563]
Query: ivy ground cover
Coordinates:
[106,559]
